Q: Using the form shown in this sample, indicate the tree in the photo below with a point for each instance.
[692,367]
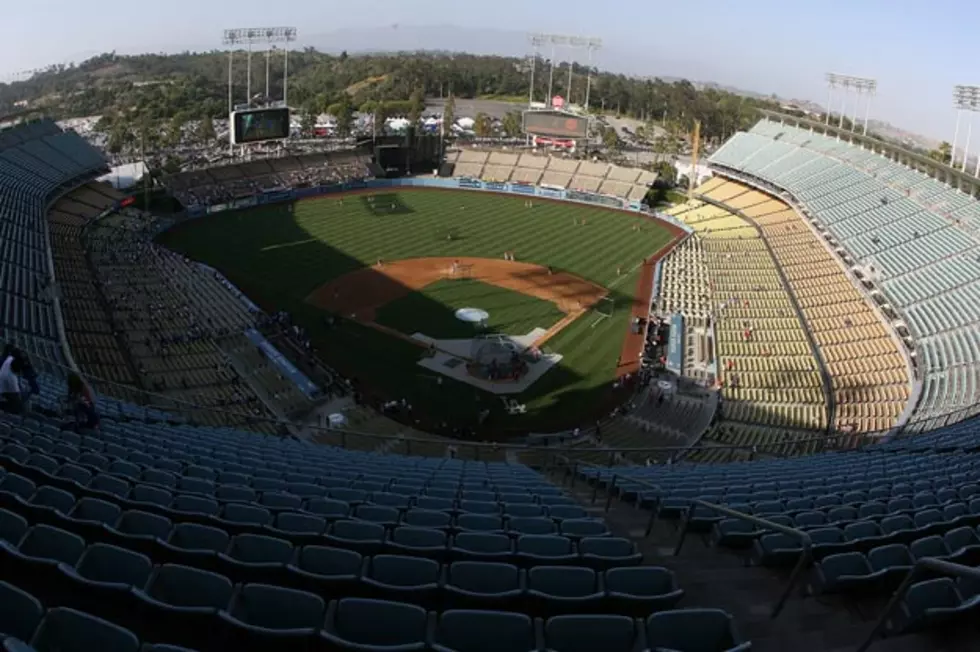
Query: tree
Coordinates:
[343,111]
[482,125]
[943,153]
[512,124]
[175,131]
[448,116]
[119,138]
[609,138]
[417,106]
[307,123]
[205,130]
[666,174]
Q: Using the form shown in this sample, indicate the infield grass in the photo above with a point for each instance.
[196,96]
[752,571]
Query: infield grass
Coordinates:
[511,313]
[278,254]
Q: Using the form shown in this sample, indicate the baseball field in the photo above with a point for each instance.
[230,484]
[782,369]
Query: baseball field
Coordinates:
[389,264]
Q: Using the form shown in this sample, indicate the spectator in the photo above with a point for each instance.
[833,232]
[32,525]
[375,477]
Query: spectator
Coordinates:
[27,369]
[81,400]
[11,399]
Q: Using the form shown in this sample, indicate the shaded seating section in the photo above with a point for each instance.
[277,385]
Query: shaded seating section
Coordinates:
[213,539]
[37,161]
[914,237]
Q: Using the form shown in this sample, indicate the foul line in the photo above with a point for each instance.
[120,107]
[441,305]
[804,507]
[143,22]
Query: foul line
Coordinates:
[289,244]
[623,277]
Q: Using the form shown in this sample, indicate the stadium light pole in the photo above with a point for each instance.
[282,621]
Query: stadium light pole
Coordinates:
[537,40]
[846,83]
[965,98]
[258,35]
[593,45]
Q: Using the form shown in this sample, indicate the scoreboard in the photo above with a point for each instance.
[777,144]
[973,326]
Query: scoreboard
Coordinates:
[556,124]
[257,125]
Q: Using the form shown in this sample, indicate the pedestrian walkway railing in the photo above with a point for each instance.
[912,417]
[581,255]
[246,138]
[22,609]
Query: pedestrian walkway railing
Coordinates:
[923,567]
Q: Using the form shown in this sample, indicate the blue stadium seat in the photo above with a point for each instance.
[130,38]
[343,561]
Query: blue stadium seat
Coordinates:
[608,552]
[586,633]
[102,580]
[68,630]
[263,617]
[534,550]
[353,624]
[180,604]
[641,590]
[329,572]
[484,631]
[423,542]
[255,558]
[707,630]
[555,590]
[482,546]
[483,585]
[20,614]
[365,537]
[403,579]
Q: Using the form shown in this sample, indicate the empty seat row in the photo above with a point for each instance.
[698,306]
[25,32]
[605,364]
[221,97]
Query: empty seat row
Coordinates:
[261,617]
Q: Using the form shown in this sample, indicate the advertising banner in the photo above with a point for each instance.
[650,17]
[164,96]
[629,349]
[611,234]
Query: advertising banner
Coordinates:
[288,369]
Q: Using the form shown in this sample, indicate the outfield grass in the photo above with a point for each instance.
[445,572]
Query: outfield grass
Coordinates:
[511,313]
[279,254]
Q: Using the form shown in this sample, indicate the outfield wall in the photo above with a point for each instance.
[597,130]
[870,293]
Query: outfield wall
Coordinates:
[524,190]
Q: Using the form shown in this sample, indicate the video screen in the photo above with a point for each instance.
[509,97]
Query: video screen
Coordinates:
[260,124]
[555,124]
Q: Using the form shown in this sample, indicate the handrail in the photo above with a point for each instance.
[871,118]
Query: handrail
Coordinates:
[806,554]
[924,564]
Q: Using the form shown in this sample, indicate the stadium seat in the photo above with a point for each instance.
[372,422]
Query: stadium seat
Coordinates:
[402,579]
[483,631]
[326,571]
[546,549]
[263,617]
[68,630]
[556,590]
[484,585]
[180,604]
[353,624]
[585,633]
[423,542]
[693,629]
[21,612]
[482,546]
[255,558]
[102,580]
[608,552]
[641,590]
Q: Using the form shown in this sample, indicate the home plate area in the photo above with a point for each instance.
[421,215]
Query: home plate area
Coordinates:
[499,364]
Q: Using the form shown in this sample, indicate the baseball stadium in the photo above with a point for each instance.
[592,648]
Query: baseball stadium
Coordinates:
[416,392]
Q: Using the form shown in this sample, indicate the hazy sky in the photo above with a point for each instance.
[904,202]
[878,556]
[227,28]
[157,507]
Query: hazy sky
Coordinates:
[917,50]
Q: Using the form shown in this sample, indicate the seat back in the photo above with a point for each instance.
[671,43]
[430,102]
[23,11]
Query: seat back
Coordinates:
[690,629]
[258,549]
[104,563]
[464,630]
[544,545]
[398,570]
[275,607]
[140,523]
[52,543]
[606,546]
[563,581]
[191,536]
[20,614]
[587,633]
[322,560]
[183,586]
[358,530]
[357,620]
[640,580]
[484,577]
[67,630]
[419,537]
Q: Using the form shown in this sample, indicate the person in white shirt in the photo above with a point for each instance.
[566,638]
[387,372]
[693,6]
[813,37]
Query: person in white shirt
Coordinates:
[10,394]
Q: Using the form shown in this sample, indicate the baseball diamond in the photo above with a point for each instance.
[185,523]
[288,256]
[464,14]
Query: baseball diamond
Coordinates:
[365,271]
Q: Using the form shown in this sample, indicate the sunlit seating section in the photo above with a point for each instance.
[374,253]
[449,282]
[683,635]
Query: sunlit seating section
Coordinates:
[556,179]
[684,284]
[868,373]
[497,173]
[533,161]
[529,176]
[585,183]
[919,238]
[507,159]
[565,165]
[470,170]
[625,175]
[616,189]
[770,376]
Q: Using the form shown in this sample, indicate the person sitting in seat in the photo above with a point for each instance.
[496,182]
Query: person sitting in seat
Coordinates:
[81,401]
[11,399]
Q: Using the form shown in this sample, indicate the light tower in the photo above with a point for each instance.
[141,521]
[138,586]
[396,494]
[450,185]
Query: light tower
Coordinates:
[965,99]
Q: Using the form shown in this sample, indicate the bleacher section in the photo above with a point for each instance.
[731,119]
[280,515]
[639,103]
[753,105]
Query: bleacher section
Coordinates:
[534,169]
[868,373]
[213,539]
[36,160]
[220,184]
[917,239]
[768,372]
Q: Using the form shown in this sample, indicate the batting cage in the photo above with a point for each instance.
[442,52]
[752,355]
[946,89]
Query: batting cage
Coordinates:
[497,357]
